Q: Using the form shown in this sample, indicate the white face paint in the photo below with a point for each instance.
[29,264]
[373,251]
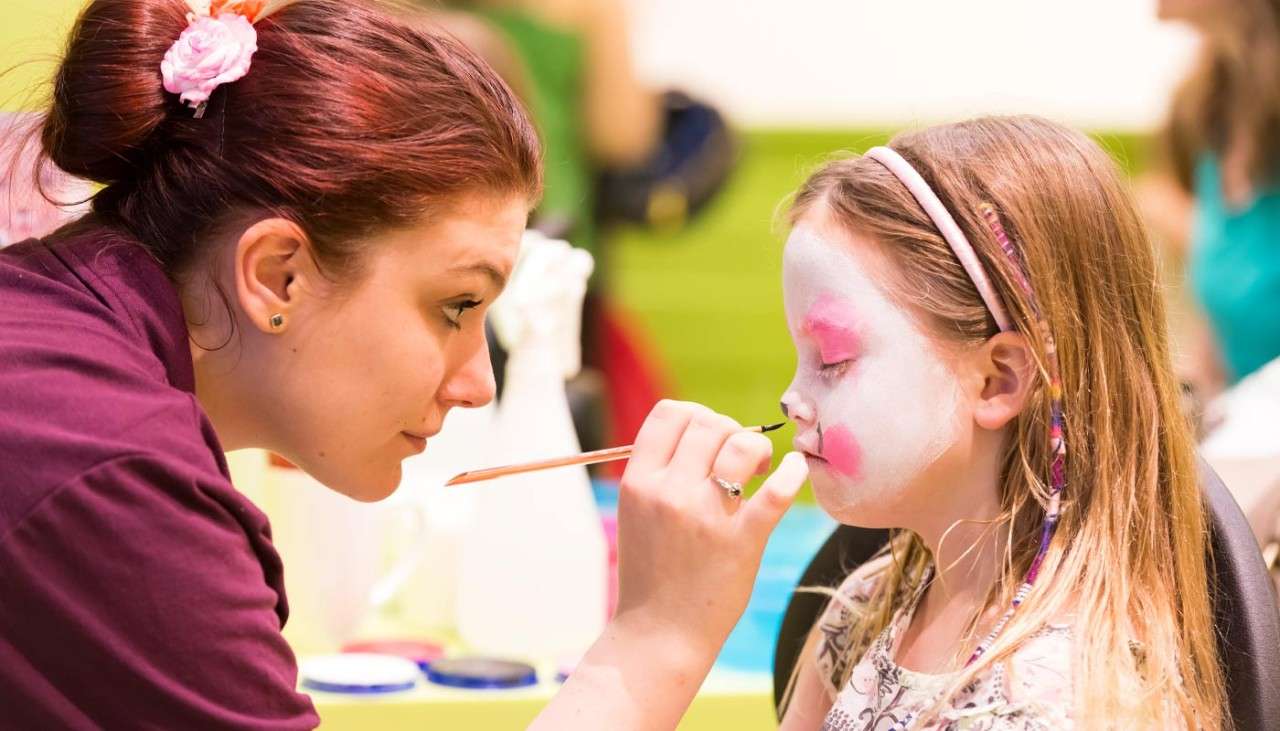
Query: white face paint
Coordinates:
[874,403]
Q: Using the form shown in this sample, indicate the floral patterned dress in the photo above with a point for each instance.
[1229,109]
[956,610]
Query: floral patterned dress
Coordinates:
[1030,691]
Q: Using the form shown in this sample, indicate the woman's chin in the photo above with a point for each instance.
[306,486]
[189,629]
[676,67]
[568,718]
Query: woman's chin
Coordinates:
[367,485]
[371,490]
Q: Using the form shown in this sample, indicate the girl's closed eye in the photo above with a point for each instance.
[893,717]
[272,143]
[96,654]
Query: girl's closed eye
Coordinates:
[831,327]
[835,369]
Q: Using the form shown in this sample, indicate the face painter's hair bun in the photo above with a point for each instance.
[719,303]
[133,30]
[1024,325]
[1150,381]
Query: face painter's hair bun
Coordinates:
[351,119]
[108,99]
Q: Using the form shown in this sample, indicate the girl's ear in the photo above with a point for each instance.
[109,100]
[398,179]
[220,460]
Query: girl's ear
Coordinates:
[1007,370]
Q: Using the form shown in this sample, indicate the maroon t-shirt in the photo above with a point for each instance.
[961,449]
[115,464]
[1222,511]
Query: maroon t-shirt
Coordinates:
[138,588]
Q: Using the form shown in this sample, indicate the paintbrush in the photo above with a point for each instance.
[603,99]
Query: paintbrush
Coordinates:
[612,454]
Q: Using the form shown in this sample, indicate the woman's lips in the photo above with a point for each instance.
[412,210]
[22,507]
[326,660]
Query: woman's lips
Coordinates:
[418,441]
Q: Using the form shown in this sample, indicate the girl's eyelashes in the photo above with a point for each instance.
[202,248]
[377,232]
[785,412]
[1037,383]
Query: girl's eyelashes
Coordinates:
[459,308]
[834,370]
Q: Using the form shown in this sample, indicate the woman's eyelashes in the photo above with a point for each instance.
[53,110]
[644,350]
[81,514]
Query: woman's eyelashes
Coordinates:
[459,309]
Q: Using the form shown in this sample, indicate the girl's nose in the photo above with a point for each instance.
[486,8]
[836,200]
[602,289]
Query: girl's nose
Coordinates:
[797,408]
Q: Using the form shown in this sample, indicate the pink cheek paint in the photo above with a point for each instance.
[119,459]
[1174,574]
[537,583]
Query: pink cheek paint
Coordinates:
[841,450]
[831,324]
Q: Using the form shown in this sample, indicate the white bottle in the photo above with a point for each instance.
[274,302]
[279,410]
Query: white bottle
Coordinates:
[534,562]
[427,604]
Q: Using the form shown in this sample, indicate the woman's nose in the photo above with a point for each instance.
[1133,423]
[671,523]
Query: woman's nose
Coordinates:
[473,384]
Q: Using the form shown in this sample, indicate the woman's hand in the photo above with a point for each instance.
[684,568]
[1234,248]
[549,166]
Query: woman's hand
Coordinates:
[688,554]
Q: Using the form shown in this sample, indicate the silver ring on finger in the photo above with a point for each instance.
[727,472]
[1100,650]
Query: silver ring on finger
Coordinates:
[732,489]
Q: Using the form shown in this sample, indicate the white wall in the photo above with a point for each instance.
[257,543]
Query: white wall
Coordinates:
[1093,63]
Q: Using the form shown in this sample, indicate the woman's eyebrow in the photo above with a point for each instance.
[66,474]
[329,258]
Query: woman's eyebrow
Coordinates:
[495,275]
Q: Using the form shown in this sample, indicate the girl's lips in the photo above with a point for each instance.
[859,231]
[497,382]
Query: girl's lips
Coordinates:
[807,444]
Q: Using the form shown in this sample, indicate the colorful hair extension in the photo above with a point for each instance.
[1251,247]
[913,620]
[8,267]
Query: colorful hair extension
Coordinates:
[1057,440]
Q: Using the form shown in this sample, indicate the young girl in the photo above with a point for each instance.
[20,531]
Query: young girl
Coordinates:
[983,365]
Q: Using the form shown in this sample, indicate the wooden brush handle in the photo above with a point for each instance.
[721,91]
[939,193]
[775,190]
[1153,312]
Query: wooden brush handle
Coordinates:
[612,454]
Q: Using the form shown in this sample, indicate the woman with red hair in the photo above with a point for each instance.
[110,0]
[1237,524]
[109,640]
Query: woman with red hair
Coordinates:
[305,209]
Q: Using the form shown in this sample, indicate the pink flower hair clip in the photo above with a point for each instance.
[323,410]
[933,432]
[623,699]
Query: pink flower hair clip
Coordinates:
[216,48]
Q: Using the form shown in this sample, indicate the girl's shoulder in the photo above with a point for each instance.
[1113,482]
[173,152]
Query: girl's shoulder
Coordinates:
[1037,677]
[835,626]
[1031,690]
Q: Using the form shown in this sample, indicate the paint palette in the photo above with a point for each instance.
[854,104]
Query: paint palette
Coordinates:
[360,673]
[481,673]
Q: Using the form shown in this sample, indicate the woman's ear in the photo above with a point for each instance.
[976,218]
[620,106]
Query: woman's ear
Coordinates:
[1007,370]
[272,264]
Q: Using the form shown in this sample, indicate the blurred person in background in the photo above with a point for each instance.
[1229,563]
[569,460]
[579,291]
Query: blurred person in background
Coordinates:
[34,199]
[1216,205]
[1217,201]
[617,151]
[571,63]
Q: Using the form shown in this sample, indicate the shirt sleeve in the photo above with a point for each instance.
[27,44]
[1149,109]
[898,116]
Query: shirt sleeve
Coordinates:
[133,597]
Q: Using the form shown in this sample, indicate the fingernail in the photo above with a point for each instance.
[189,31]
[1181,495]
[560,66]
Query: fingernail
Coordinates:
[796,457]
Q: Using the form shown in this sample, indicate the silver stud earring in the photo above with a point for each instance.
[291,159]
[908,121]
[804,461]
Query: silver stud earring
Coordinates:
[277,321]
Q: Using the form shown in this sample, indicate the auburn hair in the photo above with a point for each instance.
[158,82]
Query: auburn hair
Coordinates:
[353,118]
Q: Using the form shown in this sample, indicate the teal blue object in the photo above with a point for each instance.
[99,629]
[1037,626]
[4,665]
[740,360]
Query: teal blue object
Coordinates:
[795,541]
[606,495]
[792,546]
[1235,270]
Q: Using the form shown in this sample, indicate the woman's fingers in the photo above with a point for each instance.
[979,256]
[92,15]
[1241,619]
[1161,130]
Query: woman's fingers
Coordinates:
[744,455]
[763,511]
[701,442]
[678,534]
[661,432]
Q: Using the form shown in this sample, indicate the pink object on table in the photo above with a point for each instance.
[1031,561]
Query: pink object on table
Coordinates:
[421,652]
[611,538]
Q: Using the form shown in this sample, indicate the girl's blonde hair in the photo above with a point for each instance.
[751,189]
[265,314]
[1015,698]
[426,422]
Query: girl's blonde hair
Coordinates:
[1129,559]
